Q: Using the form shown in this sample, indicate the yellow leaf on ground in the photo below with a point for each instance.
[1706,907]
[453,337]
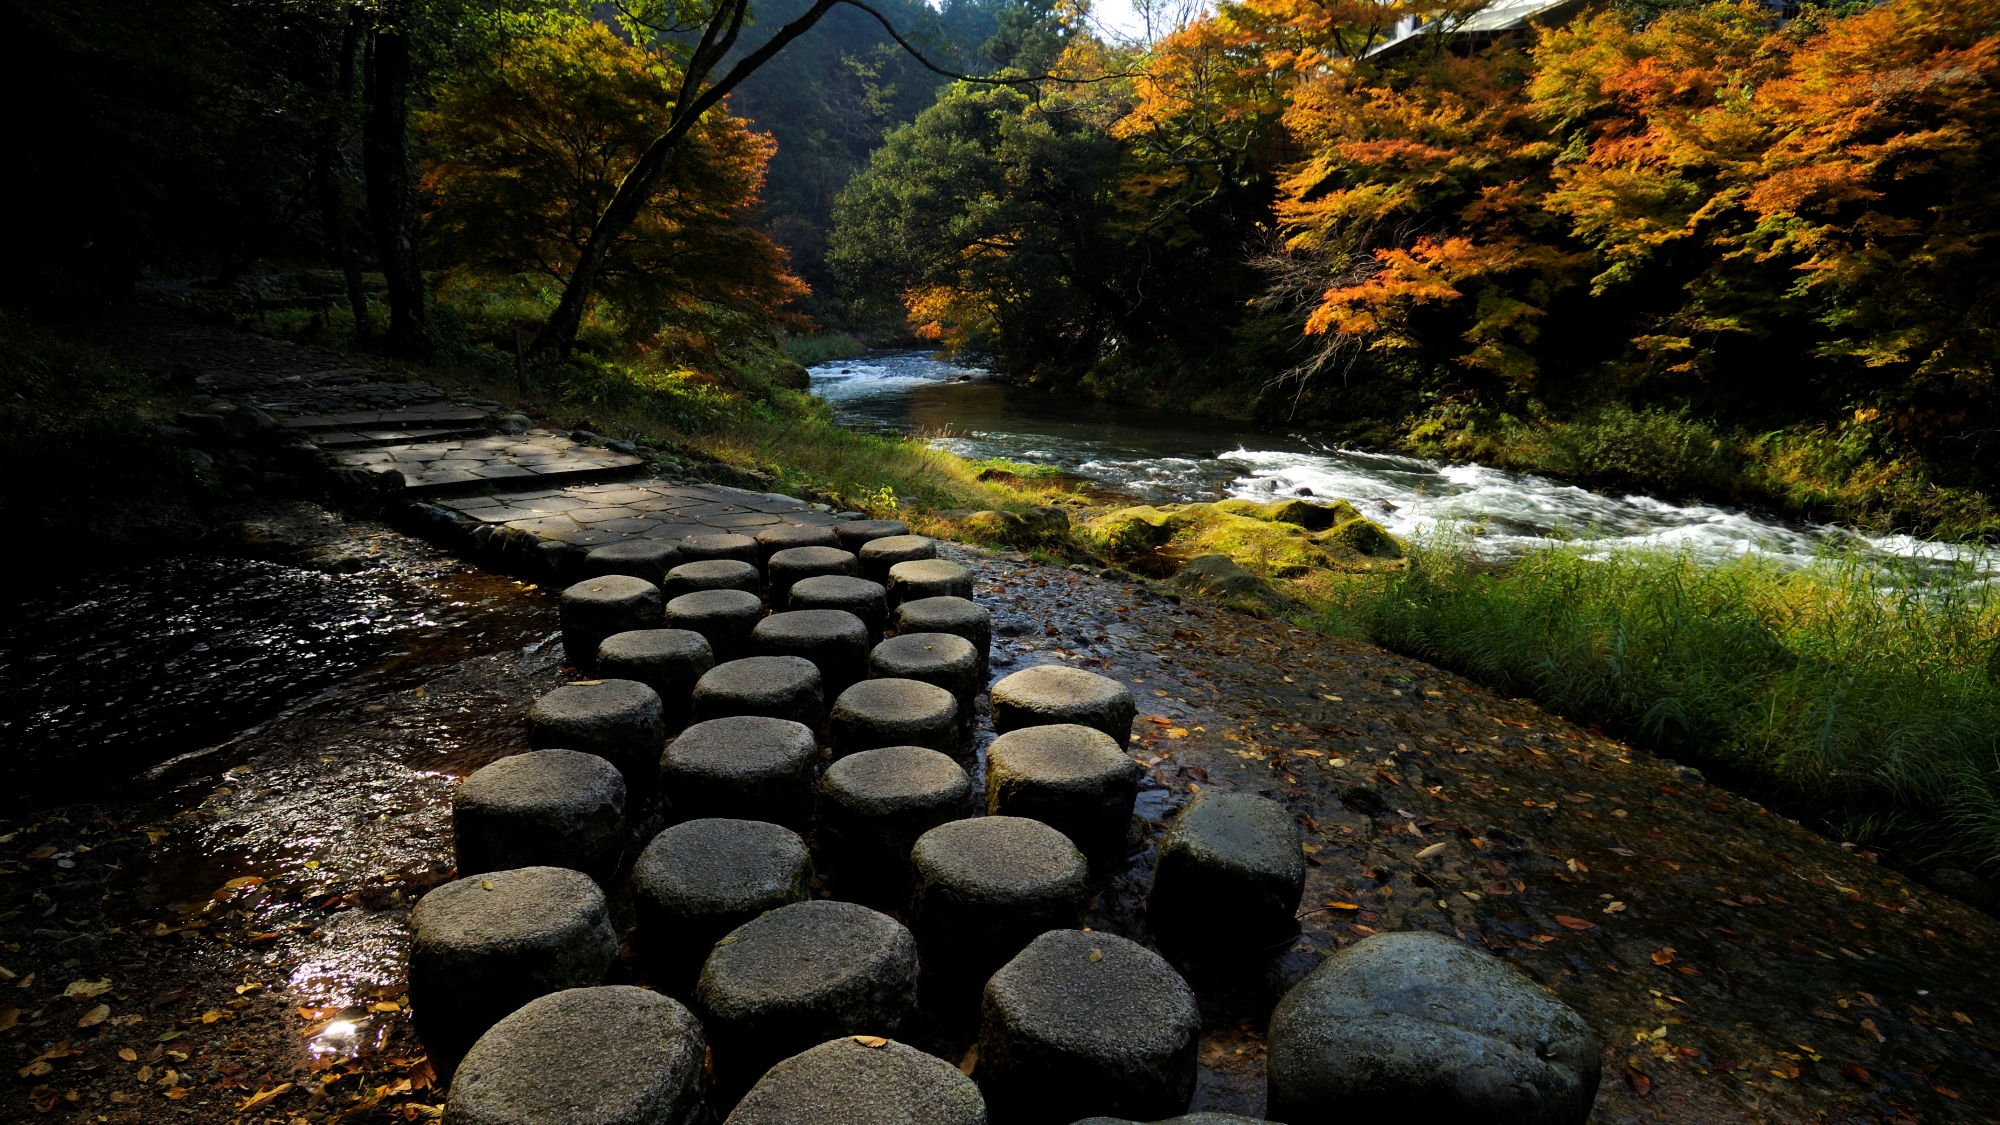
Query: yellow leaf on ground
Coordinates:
[1430,851]
[1574,923]
[871,1040]
[87,988]
[128,1054]
[262,1097]
[9,1017]
[95,1016]
[177,1093]
[1664,956]
[385,1006]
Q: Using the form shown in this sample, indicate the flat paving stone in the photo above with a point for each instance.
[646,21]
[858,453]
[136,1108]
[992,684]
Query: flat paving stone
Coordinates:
[984,887]
[878,555]
[598,607]
[432,466]
[1072,778]
[939,659]
[854,533]
[782,687]
[835,641]
[928,578]
[797,563]
[961,617]
[621,721]
[799,976]
[552,1063]
[1416,1026]
[713,574]
[545,808]
[1229,875]
[721,545]
[873,805]
[1083,1024]
[670,661]
[849,1082]
[724,617]
[1051,693]
[784,536]
[484,946]
[649,559]
[701,879]
[749,766]
[858,596]
[877,713]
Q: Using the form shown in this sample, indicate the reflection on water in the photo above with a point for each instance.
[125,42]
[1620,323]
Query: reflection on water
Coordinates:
[1159,457]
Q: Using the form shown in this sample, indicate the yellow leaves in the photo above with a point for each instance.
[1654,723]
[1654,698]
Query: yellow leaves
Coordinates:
[873,1042]
[263,1097]
[128,1054]
[1096,955]
[1663,956]
[95,1016]
[83,989]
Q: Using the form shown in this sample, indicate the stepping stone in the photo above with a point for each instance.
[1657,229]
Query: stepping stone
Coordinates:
[799,976]
[669,661]
[1050,693]
[849,1082]
[875,804]
[620,721]
[486,945]
[649,559]
[795,564]
[928,578]
[545,808]
[860,597]
[785,536]
[726,545]
[983,888]
[876,713]
[595,608]
[1072,778]
[960,617]
[699,880]
[551,1062]
[749,766]
[878,555]
[782,687]
[725,617]
[938,659]
[1088,1023]
[854,533]
[835,641]
[1187,1119]
[1229,875]
[1419,1027]
[713,574]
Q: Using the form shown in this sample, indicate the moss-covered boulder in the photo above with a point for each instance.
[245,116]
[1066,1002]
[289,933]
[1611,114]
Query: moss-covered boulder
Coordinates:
[1285,539]
[1301,513]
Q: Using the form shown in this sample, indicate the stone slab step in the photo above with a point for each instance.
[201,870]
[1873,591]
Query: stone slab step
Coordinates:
[593,514]
[350,439]
[443,414]
[527,461]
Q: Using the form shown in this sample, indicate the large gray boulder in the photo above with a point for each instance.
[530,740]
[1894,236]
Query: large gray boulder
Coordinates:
[941,659]
[612,1055]
[878,555]
[545,808]
[849,1081]
[1418,1027]
[927,578]
[858,596]
[1229,876]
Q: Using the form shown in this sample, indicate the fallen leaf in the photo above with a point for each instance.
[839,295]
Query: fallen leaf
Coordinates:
[871,1040]
[262,1097]
[1641,1085]
[177,1093]
[87,988]
[250,987]
[1952,1094]
[1579,867]
[167,1037]
[5,974]
[1664,956]
[1096,955]
[1574,923]
[240,883]
[1159,720]
[1869,1027]
[42,852]
[36,1069]
[9,1017]
[1343,906]
[95,1016]
[1961,1017]
[128,1054]
[385,1006]
[422,1074]
[1430,851]
[211,1016]
[1614,908]
[1785,1071]
[1364,931]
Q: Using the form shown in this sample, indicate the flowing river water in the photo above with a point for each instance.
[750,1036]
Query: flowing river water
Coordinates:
[1161,457]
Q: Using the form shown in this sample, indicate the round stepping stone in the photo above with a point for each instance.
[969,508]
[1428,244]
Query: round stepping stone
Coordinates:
[939,659]
[725,545]
[486,945]
[620,721]
[725,617]
[545,808]
[1425,1028]
[854,533]
[876,713]
[835,641]
[860,597]
[713,574]
[1050,693]
[1072,778]
[749,766]
[1229,874]
[699,880]
[795,564]
[1187,1119]
[875,804]
[1087,1023]
[552,1061]
[595,608]
[983,888]
[782,687]
[799,976]
[785,536]
[667,660]
[878,555]
[854,1083]
[928,578]
[649,559]
[961,617]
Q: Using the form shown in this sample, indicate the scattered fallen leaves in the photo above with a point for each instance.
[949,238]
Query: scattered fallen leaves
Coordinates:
[1787,1071]
[264,1096]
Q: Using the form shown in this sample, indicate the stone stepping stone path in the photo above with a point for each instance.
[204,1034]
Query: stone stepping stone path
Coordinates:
[862,1080]
[537,457]
[651,1073]
[545,808]
[699,880]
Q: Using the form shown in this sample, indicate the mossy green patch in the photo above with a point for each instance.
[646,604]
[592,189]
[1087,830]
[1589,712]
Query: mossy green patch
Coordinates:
[1275,540]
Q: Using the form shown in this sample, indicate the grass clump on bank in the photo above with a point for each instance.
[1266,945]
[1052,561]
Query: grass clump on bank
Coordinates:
[1863,693]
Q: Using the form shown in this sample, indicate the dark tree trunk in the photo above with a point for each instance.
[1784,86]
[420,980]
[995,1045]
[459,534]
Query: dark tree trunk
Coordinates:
[332,171]
[391,178]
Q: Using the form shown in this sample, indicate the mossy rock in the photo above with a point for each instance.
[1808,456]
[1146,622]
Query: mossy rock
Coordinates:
[1274,550]
[1219,579]
[1302,513]
[1363,537]
[1133,531]
[1285,539]
[1036,525]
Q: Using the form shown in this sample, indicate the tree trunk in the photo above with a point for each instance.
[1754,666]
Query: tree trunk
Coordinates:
[331,169]
[391,179]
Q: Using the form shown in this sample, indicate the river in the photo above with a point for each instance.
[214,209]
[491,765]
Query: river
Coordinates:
[1159,457]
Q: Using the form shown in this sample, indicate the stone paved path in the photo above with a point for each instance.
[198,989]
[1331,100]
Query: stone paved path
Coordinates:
[591,515]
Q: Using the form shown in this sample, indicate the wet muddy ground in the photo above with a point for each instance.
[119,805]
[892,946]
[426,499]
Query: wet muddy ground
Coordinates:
[224,940]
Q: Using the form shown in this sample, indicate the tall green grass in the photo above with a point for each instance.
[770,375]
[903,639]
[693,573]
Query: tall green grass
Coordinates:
[1861,692]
